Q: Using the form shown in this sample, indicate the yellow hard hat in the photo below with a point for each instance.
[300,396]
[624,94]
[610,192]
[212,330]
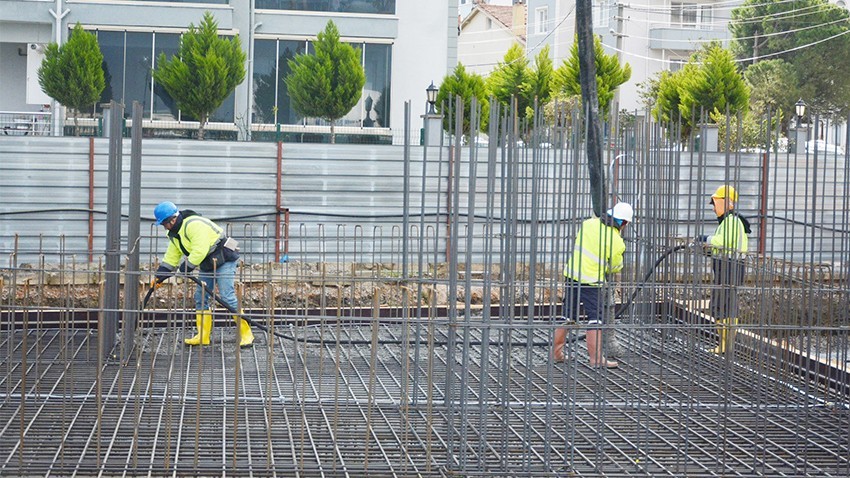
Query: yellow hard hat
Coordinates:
[725,192]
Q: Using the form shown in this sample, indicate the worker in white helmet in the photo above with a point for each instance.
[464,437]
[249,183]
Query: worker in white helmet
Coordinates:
[598,253]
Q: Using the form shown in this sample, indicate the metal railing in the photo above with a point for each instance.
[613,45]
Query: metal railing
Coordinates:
[25,123]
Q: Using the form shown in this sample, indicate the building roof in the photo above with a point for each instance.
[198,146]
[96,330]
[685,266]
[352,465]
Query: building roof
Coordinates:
[503,15]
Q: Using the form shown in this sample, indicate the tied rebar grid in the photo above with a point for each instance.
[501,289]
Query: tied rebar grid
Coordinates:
[375,369]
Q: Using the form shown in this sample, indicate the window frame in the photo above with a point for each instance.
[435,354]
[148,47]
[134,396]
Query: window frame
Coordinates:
[541,20]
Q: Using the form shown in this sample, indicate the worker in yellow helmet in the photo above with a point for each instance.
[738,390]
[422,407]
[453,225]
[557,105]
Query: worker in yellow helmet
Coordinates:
[727,247]
[598,252]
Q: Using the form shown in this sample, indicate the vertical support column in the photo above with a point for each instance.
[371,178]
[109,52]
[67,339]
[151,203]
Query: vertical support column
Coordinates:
[800,136]
[432,129]
[109,318]
[131,272]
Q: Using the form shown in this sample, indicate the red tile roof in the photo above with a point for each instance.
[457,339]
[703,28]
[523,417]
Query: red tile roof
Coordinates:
[505,16]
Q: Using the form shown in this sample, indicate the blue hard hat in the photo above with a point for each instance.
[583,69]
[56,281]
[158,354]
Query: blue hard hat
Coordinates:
[163,211]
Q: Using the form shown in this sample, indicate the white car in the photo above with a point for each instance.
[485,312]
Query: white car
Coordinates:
[823,147]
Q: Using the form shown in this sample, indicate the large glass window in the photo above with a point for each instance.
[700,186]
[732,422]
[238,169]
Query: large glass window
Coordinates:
[112,48]
[287,49]
[137,71]
[343,6]
[265,81]
[271,66]
[128,58]
[376,92]
[164,107]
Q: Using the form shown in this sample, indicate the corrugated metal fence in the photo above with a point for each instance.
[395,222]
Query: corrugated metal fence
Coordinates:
[53,188]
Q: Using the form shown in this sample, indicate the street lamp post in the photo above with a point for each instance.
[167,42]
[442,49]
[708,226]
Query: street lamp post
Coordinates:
[800,132]
[431,93]
[431,130]
[800,109]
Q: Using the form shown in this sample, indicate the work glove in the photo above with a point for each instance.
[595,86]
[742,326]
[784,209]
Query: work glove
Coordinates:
[162,274]
[186,267]
[701,239]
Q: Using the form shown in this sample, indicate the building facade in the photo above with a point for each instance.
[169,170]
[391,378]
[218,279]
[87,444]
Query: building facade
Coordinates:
[404,46]
[653,36]
[488,32]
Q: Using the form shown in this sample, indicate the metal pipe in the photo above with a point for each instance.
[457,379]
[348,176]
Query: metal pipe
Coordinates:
[278,200]
[91,201]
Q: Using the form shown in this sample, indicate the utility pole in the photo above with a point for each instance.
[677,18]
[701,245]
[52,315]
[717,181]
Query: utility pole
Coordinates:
[590,101]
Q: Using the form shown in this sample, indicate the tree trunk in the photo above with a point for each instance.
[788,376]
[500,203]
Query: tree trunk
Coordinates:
[590,100]
[76,123]
[203,122]
[333,135]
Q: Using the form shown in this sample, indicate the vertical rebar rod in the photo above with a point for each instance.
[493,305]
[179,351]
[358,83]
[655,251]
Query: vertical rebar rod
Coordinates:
[131,270]
[111,317]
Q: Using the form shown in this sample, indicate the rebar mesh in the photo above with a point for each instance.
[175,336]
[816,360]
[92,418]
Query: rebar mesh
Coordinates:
[424,349]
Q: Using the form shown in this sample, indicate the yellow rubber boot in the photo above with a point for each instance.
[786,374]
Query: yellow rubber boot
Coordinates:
[204,321]
[246,337]
[723,331]
[730,336]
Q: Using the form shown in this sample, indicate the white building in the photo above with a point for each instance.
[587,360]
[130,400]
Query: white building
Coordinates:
[488,32]
[465,6]
[651,36]
[404,44]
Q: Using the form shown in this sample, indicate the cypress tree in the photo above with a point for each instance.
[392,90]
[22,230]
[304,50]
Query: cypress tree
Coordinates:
[73,74]
[203,73]
[329,83]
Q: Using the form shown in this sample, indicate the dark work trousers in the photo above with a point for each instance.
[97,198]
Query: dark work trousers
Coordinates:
[590,297]
[728,276]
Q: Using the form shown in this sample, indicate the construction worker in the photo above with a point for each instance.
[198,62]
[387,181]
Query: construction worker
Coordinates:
[205,246]
[726,246]
[598,252]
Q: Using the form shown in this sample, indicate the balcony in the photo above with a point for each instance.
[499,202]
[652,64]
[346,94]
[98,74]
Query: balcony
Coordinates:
[684,37]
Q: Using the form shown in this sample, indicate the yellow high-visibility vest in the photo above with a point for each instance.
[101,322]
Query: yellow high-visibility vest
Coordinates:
[598,251]
[730,236]
[198,236]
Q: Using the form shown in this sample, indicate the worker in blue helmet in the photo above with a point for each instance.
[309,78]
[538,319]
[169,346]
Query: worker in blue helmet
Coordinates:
[204,245]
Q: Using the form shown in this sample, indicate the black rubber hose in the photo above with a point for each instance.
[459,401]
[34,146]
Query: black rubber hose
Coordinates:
[317,341]
[148,297]
[623,308]
[573,338]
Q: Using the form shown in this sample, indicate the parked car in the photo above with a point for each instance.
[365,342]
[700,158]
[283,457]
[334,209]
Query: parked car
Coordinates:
[823,147]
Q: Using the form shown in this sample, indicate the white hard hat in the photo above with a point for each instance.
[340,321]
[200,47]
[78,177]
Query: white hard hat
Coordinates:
[622,211]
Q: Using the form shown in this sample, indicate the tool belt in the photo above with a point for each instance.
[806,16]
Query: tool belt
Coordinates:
[227,250]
